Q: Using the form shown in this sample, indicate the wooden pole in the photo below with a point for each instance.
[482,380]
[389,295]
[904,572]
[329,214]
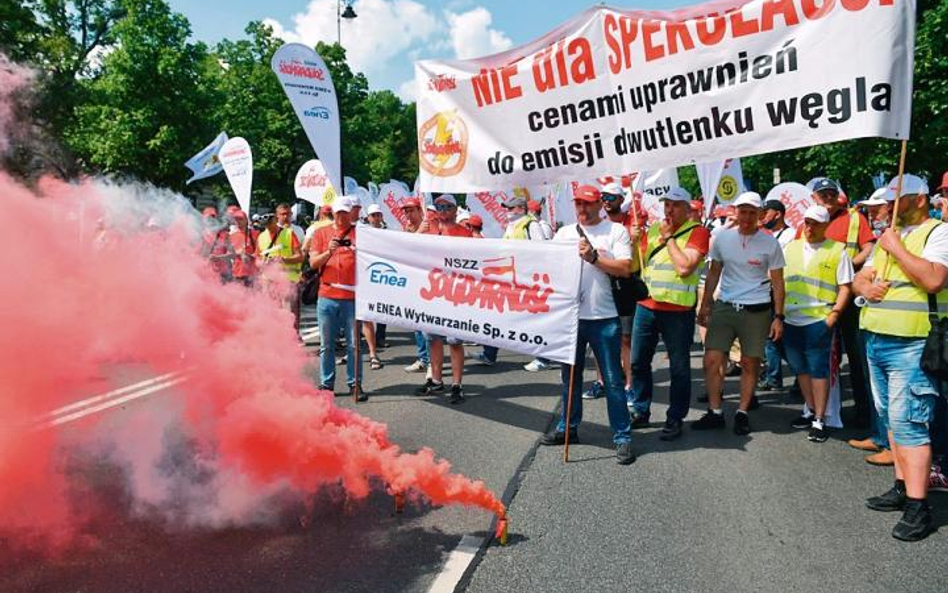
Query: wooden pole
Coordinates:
[358,378]
[569,411]
[895,205]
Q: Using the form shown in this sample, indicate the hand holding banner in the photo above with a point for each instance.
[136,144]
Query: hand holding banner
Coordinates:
[237,160]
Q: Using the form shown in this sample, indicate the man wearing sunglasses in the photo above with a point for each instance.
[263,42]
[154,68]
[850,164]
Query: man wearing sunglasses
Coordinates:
[447,211]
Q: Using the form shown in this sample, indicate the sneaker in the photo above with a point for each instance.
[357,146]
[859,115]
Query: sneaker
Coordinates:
[916,522]
[342,360]
[457,394]
[481,359]
[802,422]
[536,365]
[595,391]
[891,500]
[556,438]
[325,388]
[671,430]
[416,367]
[430,388]
[818,434]
[937,481]
[624,454]
[710,421]
[639,420]
[359,395]
[742,426]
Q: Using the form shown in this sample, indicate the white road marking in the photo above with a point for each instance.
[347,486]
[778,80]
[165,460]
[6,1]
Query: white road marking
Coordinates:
[92,400]
[460,558]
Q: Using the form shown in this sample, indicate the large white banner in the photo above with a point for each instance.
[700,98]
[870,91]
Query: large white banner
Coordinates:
[308,85]
[237,160]
[489,206]
[313,184]
[517,295]
[623,90]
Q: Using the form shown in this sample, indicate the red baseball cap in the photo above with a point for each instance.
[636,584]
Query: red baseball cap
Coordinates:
[410,202]
[944,182]
[476,221]
[586,193]
[534,206]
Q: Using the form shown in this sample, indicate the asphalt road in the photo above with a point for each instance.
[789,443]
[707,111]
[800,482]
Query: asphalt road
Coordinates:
[710,512]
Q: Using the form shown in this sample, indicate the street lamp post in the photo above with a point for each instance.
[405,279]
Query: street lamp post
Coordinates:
[348,14]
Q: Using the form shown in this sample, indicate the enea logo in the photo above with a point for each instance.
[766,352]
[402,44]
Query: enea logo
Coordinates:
[320,112]
[442,144]
[386,274]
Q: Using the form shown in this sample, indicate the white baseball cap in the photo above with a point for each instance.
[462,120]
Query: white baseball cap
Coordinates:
[374,209]
[354,201]
[462,215]
[818,213]
[748,198]
[612,188]
[878,197]
[912,185]
[676,194]
[341,204]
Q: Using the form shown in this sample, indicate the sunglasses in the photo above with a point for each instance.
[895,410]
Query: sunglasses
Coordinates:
[444,207]
[610,197]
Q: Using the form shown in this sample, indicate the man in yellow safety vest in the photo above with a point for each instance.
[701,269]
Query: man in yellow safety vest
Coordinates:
[903,284]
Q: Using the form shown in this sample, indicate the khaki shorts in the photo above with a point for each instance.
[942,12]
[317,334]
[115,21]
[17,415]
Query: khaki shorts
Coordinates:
[749,327]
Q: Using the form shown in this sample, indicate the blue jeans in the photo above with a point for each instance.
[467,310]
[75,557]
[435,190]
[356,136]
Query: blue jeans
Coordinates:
[773,373]
[335,316]
[421,346]
[490,353]
[676,329]
[904,394]
[808,348]
[604,336]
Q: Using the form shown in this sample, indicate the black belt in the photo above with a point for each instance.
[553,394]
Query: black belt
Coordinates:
[755,308]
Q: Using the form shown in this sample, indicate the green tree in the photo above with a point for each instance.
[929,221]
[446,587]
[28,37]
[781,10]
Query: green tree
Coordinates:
[152,98]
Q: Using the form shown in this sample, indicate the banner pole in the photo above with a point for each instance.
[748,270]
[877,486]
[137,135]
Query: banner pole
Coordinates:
[569,411]
[895,206]
[358,378]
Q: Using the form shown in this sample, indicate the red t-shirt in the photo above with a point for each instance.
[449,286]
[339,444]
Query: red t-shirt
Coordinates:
[244,267]
[341,267]
[454,230]
[699,240]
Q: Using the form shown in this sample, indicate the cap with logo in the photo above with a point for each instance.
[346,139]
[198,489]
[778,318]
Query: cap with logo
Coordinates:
[912,185]
[825,184]
[586,193]
[676,194]
[818,213]
[748,198]
[410,202]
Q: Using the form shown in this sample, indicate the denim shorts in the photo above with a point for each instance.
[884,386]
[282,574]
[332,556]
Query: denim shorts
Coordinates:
[903,392]
[448,341]
[808,348]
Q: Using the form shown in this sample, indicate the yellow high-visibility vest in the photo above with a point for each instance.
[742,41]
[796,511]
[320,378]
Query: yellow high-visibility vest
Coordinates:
[811,288]
[903,311]
[664,283]
[285,242]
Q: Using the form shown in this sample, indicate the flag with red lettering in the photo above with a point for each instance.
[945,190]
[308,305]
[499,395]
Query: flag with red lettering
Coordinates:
[615,90]
[517,295]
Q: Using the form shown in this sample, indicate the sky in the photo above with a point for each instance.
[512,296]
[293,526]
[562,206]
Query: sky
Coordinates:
[387,36]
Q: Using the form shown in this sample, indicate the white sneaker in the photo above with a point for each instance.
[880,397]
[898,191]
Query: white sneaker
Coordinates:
[416,367]
[535,365]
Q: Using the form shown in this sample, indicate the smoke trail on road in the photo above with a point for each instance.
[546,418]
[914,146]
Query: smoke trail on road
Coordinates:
[98,273]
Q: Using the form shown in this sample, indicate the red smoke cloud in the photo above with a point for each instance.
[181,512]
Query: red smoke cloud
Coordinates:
[97,273]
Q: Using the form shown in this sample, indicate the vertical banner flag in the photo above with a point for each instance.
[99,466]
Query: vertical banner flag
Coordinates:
[709,177]
[489,206]
[308,85]
[731,184]
[517,295]
[350,186]
[207,162]
[652,185]
[237,161]
[614,90]
[796,199]
[390,199]
[313,184]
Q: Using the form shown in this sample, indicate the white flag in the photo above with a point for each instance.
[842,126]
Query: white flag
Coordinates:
[313,185]
[237,160]
[308,85]
[207,162]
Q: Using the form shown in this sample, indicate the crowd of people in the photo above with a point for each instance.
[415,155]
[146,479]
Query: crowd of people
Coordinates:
[759,292]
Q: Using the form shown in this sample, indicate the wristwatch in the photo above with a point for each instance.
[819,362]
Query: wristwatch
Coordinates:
[781,317]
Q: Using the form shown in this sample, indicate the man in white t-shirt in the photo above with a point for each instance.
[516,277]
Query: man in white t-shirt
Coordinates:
[605,249]
[749,264]
[819,276]
[908,268]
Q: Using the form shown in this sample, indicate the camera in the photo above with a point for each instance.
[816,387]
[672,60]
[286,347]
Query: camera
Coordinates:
[344,242]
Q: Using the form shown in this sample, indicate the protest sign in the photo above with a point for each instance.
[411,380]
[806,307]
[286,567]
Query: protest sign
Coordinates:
[621,90]
[308,85]
[390,198]
[207,163]
[313,184]
[796,199]
[237,161]
[517,295]
[489,206]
